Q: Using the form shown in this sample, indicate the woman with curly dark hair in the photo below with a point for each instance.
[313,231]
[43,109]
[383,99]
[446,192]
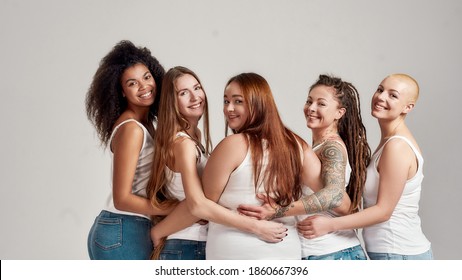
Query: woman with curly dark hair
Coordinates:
[122,104]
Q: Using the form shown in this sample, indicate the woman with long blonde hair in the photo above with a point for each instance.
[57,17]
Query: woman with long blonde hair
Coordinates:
[177,170]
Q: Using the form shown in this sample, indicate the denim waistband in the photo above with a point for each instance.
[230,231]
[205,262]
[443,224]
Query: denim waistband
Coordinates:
[108,214]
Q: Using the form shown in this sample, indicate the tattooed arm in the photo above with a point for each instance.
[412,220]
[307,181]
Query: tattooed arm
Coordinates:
[331,196]
[333,166]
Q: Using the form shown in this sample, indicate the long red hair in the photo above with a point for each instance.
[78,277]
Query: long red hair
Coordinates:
[267,134]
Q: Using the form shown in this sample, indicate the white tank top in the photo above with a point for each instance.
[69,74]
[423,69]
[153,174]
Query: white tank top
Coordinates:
[229,243]
[402,233]
[195,232]
[143,168]
[334,241]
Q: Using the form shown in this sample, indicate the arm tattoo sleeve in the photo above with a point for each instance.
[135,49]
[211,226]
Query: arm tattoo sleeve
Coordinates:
[333,166]
[280,211]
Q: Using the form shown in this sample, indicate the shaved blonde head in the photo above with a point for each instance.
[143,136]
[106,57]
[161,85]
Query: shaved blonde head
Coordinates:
[412,86]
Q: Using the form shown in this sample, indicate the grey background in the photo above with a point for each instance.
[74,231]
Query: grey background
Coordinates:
[54,176]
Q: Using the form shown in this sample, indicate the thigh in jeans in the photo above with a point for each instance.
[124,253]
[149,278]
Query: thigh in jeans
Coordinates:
[353,253]
[180,249]
[428,255]
[105,238]
[120,237]
[173,250]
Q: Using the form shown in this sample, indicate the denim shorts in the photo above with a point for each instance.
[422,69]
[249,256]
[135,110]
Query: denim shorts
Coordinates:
[352,253]
[181,249]
[386,256]
[120,237]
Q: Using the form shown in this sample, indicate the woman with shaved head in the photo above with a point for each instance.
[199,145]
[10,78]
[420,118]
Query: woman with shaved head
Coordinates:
[390,219]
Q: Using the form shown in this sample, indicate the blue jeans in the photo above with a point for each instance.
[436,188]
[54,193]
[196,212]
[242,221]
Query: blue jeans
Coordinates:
[352,253]
[180,249]
[120,237]
[386,256]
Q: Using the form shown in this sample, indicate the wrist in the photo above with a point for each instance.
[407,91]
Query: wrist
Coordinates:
[333,224]
[281,211]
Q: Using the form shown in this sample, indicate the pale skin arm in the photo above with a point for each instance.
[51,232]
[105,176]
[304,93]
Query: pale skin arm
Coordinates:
[126,146]
[198,206]
[394,168]
[329,166]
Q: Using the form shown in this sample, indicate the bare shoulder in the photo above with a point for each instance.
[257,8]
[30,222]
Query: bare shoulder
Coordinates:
[231,148]
[236,140]
[184,146]
[398,145]
[128,133]
[332,150]
[397,152]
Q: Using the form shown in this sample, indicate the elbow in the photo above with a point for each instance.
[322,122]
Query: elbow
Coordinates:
[194,207]
[195,210]
[384,216]
[342,205]
[338,201]
[339,198]
[119,204]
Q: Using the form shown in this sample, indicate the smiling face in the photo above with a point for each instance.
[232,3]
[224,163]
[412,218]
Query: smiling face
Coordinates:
[138,86]
[393,98]
[190,98]
[321,109]
[234,107]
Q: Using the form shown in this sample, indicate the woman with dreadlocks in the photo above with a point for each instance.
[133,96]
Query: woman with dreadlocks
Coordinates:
[390,219]
[332,112]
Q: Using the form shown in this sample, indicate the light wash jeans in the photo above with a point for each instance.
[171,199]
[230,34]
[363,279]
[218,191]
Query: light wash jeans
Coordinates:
[180,249]
[386,256]
[353,253]
[119,237]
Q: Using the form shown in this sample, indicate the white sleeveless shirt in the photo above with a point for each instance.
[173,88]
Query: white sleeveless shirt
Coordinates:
[331,242]
[195,232]
[402,233]
[229,243]
[143,168]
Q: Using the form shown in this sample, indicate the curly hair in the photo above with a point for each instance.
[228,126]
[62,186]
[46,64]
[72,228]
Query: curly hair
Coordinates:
[353,132]
[104,101]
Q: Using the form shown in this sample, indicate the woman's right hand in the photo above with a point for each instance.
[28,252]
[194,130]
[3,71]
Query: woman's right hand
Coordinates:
[155,239]
[315,226]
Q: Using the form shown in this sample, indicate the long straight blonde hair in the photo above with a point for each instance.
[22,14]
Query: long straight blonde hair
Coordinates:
[170,122]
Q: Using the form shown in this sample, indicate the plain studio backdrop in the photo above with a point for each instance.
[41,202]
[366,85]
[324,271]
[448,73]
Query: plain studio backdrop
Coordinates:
[55,177]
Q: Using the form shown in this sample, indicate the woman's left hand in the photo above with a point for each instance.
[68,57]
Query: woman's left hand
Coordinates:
[263,212]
